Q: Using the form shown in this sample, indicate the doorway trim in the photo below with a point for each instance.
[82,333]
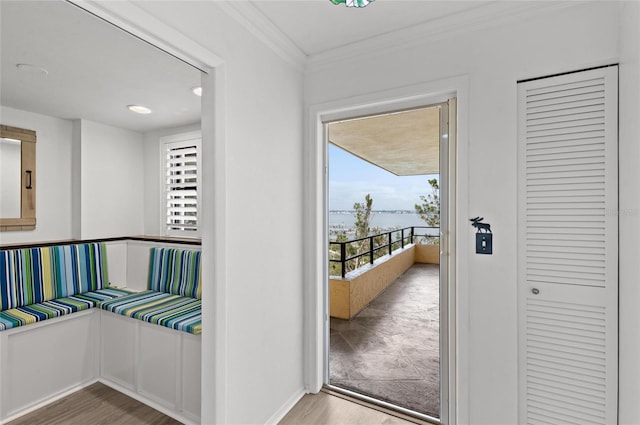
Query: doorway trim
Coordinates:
[315,230]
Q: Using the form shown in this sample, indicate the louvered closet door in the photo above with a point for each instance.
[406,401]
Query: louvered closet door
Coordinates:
[568,249]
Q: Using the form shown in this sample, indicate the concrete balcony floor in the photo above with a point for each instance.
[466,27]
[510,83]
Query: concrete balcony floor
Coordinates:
[390,350]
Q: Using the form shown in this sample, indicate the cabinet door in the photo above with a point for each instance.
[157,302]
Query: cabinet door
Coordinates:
[568,248]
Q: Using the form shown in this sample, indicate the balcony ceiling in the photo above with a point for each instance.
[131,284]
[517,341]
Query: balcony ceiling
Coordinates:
[403,143]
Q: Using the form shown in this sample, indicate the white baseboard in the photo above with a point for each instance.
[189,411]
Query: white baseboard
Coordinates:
[48,401]
[286,407]
[148,402]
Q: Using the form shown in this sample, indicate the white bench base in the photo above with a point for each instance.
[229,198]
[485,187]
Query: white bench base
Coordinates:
[45,361]
[155,363]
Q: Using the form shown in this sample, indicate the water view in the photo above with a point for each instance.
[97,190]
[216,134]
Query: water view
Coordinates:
[344,221]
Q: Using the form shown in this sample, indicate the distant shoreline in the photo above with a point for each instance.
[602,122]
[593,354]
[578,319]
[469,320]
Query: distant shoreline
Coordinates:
[373,211]
[381,221]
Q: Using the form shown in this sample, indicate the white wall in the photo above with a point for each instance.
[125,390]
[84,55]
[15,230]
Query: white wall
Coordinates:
[53,176]
[90,179]
[263,162]
[629,381]
[112,181]
[153,178]
[494,60]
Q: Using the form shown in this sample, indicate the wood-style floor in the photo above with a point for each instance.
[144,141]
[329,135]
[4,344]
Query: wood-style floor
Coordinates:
[96,404]
[328,409]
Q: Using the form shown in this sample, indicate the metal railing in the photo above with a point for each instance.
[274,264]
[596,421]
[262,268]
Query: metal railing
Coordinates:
[372,249]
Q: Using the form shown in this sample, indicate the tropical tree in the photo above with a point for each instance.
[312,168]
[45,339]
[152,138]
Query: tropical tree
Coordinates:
[363,216]
[429,208]
[363,229]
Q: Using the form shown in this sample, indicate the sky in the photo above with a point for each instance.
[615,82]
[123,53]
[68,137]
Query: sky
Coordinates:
[351,178]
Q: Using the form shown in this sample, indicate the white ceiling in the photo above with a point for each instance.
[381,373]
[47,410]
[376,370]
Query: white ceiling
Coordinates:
[317,26]
[95,70]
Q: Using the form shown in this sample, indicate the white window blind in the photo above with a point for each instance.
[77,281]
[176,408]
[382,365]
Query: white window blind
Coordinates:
[181,186]
[567,249]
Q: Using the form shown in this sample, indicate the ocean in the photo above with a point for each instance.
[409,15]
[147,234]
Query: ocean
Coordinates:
[339,222]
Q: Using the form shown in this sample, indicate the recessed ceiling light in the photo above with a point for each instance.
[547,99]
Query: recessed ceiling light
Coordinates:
[32,69]
[197,91]
[138,109]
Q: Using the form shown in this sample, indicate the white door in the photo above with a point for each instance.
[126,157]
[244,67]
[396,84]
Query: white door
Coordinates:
[568,248]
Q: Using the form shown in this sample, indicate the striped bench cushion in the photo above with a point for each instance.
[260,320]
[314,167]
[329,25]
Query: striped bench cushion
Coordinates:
[175,271]
[169,310]
[34,275]
[38,312]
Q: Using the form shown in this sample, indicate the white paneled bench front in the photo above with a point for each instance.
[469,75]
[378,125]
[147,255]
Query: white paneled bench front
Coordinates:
[48,326]
[53,342]
[151,340]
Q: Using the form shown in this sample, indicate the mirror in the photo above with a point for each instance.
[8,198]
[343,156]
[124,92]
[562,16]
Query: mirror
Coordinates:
[10,173]
[17,178]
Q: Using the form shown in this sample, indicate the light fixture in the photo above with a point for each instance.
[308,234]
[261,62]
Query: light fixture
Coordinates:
[32,69]
[197,91]
[353,3]
[139,109]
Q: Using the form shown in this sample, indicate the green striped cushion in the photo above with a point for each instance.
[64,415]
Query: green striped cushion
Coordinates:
[175,271]
[169,310]
[33,275]
[103,294]
[38,312]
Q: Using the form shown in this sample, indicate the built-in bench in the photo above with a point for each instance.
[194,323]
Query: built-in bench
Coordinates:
[173,297]
[37,284]
[159,365]
[143,343]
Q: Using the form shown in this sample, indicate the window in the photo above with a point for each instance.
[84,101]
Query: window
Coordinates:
[181,183]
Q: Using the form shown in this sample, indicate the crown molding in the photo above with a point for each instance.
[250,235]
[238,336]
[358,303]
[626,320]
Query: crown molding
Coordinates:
[491,15]
[136,21]
[247,15]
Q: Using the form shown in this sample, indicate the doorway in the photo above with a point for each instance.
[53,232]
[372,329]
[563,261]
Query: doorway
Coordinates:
[388,266]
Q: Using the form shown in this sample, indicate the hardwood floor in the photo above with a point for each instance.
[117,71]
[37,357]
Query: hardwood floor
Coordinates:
[323,408]
[96,404]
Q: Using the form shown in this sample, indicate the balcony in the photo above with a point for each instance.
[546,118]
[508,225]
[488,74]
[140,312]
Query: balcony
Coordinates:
[384,330]
[352,292]
[390,350]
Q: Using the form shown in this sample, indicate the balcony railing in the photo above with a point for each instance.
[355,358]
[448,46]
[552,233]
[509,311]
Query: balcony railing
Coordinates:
[406,236]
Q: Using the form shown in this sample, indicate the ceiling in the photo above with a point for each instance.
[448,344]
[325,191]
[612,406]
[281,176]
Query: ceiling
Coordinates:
[403,143]
[317,26]
[95,70]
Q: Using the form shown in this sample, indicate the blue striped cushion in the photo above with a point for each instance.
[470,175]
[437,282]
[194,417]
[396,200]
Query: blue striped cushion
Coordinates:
[33,275]
[103,294]
[38,312]
[169,310]
[175,271]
